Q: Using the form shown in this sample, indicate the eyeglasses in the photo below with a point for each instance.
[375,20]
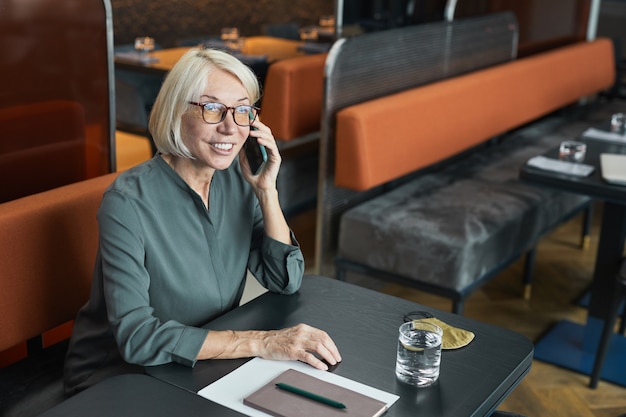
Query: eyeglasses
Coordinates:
[213,113]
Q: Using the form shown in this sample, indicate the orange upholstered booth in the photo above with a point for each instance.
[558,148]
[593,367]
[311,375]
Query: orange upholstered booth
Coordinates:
[48,245]
[383,139]
[292,96]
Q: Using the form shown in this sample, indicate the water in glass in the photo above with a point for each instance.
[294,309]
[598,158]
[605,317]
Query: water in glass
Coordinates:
[419,353]
[572,151]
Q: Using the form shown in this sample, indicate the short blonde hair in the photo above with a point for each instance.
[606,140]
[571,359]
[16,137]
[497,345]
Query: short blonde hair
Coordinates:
[183,83]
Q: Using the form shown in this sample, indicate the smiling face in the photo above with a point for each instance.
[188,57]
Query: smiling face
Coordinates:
[216,145]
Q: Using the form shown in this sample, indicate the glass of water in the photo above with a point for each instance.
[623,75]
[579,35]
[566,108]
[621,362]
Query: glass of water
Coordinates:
[230,37]
[308,34]
[618,123]
[419,353]
[144,44]
[572,151]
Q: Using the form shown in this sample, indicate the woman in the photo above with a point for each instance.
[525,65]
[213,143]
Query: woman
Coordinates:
[178,232]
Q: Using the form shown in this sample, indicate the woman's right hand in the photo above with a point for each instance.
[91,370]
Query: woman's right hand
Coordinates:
[301,342]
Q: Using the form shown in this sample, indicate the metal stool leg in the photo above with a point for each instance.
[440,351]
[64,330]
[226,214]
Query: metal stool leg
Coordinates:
[622,324]
[529,266]
[585,238]
[622,280]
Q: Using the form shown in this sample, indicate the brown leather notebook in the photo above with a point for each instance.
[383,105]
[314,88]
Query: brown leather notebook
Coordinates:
[280,403]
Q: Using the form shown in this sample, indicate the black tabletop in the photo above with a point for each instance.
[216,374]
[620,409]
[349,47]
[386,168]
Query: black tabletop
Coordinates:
[364,325]
[137,395]
[593,185]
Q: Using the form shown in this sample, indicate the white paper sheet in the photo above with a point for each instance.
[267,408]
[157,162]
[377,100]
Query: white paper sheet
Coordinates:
[613,168]
[231,389]
[564,167]
[593,133]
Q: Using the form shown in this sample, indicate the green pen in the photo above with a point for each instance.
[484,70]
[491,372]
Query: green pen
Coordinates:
[310,395]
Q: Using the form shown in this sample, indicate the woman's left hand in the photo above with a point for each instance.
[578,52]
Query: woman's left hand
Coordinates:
[266,179]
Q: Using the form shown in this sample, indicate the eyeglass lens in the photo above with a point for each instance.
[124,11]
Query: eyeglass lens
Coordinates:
[216,112]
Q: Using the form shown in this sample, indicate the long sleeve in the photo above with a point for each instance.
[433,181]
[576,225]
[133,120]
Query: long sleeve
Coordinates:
[277,266]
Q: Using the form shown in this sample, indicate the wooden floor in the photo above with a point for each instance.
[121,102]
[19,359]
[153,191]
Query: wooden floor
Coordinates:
[562,274]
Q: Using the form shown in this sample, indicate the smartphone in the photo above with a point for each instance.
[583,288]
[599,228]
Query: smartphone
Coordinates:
[256,154]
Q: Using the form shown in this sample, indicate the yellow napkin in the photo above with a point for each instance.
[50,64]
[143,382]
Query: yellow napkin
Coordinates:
[453,337]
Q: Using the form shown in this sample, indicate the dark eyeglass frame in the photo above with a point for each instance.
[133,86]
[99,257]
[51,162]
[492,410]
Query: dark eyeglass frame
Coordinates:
[226,109]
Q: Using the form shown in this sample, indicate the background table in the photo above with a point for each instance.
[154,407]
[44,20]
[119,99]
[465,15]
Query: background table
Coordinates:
[364,323]
[137,83]
[573,345]
[274,49]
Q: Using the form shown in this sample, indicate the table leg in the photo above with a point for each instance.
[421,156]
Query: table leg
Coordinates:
[608,258]
[572,345]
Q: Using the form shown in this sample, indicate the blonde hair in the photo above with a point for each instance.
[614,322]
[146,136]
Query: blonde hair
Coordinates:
[183,83]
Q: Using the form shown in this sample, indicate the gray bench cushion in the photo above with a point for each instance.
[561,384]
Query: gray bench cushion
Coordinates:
[453,227]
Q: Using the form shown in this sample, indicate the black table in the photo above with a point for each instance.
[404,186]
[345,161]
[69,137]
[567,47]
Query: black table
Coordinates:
[364,323]
[137,395]
[572,345]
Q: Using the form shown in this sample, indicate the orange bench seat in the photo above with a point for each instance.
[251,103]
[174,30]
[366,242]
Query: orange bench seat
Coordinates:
[48,244]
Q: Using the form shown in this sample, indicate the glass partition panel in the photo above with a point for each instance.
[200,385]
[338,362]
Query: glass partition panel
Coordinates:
[543,24]
[55,94]
[363,16]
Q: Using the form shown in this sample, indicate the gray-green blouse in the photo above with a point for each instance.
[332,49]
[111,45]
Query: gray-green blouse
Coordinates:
[166,265]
